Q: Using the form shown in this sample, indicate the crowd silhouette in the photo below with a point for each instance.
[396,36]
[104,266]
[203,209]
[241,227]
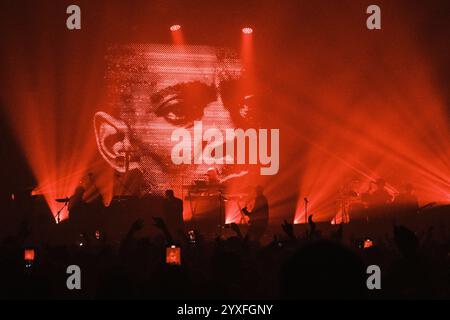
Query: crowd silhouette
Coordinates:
[305,265]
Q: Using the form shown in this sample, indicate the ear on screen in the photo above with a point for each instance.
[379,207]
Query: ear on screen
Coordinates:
[113,141]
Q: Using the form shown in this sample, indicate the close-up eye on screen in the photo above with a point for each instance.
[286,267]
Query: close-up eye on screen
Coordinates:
[224,155]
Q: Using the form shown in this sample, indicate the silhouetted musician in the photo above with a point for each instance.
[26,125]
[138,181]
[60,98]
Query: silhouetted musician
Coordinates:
[173,213]
[259,216]
[380,197]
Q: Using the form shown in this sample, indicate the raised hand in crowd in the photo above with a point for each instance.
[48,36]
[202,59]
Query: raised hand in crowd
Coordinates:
[161,225]
[288,228]
[237,230]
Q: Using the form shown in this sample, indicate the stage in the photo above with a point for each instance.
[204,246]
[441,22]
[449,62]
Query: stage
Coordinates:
[229,149]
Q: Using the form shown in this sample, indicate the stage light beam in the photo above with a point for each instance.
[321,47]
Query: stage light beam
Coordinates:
[177,34]
[175,27]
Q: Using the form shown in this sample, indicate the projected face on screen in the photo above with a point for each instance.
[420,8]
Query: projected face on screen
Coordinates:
[155,89]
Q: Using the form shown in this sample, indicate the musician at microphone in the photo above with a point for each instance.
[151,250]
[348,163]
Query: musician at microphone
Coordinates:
[259,216]
[76,200]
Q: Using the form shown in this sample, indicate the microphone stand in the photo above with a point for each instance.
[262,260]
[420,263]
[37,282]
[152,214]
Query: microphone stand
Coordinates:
[306,209]
[58,214]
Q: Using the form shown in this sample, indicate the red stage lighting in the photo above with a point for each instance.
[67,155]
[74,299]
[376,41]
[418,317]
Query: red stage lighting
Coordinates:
[247,30]
[175,27]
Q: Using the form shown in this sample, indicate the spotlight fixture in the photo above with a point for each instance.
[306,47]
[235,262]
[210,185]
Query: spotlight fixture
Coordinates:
[175,27]
[247,30]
